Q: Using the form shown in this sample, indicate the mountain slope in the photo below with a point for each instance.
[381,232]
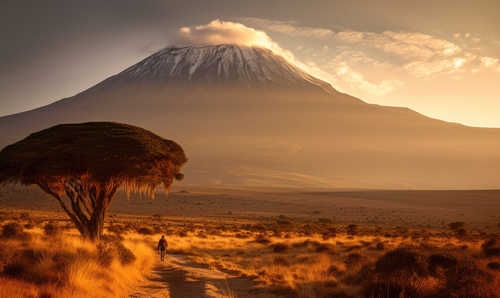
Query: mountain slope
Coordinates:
[247,116]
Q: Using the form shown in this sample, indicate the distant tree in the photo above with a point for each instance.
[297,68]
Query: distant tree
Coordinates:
[83,165]
[456,225]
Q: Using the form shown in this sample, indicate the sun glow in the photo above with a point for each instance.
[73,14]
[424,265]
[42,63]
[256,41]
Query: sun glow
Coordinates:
[459,62]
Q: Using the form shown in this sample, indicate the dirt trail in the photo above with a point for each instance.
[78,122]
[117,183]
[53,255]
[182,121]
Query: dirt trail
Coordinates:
[180,278]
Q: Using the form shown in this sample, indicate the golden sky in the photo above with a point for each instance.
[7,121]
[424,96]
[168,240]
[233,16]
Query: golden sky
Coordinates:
[440,58]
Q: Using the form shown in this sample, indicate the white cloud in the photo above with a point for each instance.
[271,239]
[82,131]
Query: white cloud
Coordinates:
[406,45]
[429,69]
[489,62]
[348,78]
[220,32]
[289,28]
[424,42]
[350,36]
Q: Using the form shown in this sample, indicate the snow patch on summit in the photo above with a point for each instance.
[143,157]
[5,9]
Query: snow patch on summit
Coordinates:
[222,63]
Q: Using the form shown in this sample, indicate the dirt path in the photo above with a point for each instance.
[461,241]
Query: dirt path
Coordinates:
[180,278]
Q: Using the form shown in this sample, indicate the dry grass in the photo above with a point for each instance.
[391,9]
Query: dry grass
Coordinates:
[297,259]
[51,260]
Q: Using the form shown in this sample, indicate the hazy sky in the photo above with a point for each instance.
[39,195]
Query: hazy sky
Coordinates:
[440,58]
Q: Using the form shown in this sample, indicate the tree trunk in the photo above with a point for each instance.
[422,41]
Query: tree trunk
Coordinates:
[93,228]
[88,207]
[96,225]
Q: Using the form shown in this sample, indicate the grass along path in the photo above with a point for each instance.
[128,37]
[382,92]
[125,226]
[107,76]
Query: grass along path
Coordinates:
[178,277]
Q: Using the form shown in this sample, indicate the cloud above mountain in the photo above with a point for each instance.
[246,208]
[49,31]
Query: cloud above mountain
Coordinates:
[225,32]
[221,32]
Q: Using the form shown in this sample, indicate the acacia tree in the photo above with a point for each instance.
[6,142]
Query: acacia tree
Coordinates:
[83,165]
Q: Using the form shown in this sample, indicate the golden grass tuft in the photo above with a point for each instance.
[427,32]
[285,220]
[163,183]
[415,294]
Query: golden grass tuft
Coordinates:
[67,266]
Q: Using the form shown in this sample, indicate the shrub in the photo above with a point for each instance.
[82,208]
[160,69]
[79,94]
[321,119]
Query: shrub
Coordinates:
[280,261]
[279,247]
[468,280]
[491,247]
[104,254]
[401,259]
[51,230]
[324,220]
[14,231]
[262,239]
[494,266]
[456,225]
[24,216]
[441,260]
[156,217]
[145,231]
[283,221]
[352,229]
[333,270]
[125,255]
[116,229]
[353,259]
[389,289]
[23,265]
[323,247]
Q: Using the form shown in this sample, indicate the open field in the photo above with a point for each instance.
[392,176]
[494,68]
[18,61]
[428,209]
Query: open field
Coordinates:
[260,243]
[406,208]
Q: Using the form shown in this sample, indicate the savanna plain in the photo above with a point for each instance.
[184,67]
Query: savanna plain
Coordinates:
[258,242]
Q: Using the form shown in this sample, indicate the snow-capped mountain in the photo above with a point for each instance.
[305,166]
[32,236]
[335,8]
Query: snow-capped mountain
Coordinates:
[246,116]
[220,64]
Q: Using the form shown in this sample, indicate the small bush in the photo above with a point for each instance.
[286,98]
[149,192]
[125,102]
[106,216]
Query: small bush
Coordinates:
[456,225]
[324,248]
[461,232]
[333,271]
[280,261]
[468,280]
[398,260]
[494,266]
[23,265]
[389,289]
[353,259]
[145,231]
[52,230]
[125,255]
[262,239]
[14,231]
[104,254]
[284,222]
[24,216]
[324,220]
[116,229]
[352,229]
[491,247]
[279,247]
[440,260]
[379,246]
[29,225]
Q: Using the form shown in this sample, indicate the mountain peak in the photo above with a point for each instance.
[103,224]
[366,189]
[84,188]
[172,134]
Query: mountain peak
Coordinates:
[224,63]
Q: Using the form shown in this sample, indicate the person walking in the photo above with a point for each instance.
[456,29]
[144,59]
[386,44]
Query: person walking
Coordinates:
[162,248]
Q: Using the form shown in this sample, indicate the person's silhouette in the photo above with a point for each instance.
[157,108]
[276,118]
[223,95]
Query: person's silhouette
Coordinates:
[162,248]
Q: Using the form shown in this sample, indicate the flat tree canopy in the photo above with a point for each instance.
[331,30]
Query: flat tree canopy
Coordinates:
[83,165]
